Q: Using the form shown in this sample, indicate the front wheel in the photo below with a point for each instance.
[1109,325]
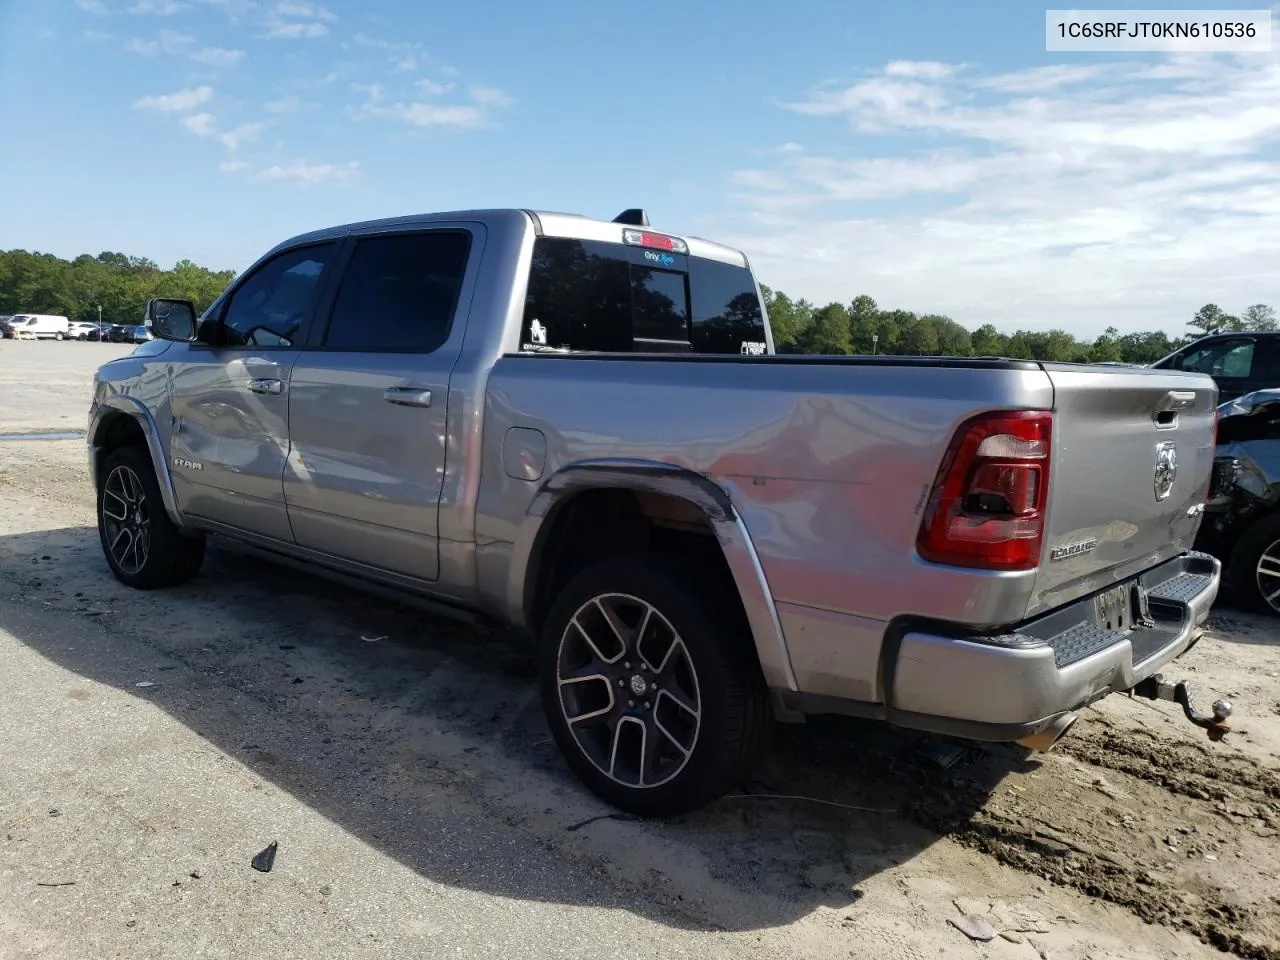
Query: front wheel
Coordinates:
[1255,567]
[652,694]
[143,547]
[58,336]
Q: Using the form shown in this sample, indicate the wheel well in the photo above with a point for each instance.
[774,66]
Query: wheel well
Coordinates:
[116,430]
[594,525]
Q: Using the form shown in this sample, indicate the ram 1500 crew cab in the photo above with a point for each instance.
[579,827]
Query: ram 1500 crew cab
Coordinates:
[579,428]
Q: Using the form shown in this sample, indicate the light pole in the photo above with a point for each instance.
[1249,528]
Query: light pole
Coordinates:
[875,342]
[99,314]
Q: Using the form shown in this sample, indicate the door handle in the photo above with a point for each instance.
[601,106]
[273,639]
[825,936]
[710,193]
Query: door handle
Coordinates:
[408,396]
[270,386]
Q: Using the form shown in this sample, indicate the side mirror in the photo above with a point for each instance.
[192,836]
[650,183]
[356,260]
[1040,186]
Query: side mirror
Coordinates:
[171,319]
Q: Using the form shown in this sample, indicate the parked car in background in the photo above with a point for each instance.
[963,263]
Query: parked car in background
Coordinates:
[6,326]
[81,330]
[41,326]
[141,334]
[577,428]
[1242,511]
[119,333]
[1239,363]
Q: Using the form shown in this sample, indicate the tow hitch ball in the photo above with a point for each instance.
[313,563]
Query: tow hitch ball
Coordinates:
[1158,688]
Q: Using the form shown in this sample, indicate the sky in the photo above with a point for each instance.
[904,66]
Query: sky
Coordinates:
[930,154]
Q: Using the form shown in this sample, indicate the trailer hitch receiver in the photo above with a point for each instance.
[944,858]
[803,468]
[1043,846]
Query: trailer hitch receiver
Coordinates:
[1157,687]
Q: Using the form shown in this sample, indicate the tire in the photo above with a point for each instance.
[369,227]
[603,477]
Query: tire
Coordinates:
[131,514]
[59,337]
[1262,539]
[652,687]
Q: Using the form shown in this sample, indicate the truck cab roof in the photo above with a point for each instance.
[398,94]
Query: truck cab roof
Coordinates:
[545,224]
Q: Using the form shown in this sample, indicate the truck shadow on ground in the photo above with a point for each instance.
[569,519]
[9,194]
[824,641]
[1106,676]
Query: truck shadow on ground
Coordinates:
[425,739]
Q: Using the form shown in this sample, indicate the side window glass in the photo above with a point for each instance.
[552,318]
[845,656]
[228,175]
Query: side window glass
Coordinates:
[579,298]
[400,292]
[1231,360]
[268,309]
[726,309]
[1236,363]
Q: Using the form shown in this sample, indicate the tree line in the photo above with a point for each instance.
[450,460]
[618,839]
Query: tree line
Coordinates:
[117,284]
[120,286]
[863,327]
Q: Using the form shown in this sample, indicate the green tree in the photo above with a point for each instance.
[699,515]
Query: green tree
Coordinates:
[1258,317]
[1106,348]
[1209,317]
[829,332]
[920,339]
[989,342]
[864,316]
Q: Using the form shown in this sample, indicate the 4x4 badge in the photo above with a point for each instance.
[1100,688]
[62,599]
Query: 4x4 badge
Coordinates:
[1166,469]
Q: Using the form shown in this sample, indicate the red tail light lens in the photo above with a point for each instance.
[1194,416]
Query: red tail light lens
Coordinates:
[988,501]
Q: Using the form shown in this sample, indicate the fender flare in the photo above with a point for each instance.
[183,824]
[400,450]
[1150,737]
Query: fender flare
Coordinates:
[673,481]
[117,405]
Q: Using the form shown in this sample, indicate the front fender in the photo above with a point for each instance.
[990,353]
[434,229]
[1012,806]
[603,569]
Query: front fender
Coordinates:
[100,418]
[661,478]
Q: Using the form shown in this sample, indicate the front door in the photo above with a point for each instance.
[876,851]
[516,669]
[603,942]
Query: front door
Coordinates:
[231,396]
[368,403]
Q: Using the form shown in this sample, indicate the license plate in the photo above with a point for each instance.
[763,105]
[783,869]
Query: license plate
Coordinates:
[1114,607]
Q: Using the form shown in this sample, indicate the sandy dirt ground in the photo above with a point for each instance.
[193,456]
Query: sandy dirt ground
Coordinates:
[421,810]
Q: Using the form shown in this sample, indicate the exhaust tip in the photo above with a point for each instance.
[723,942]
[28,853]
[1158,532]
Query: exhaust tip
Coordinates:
[1046,739]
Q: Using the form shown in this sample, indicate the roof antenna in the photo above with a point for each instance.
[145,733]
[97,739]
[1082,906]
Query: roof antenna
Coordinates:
[635,217]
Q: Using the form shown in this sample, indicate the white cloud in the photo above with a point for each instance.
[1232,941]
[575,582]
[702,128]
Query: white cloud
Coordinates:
[201,124]
[92,6]
[245,133]
[298,20]
[218,56]
[489,96]
[923,69]
[297,8]
[305,174]
[180,100]
[1078,195]
[163,8]
[233,166]
[434,88]
[407,63]
[97,36]
[170,41]
[283,106]
[296,31]
[434,114]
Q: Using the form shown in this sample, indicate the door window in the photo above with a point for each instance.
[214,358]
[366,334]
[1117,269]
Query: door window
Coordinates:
[400,292]
[1231,359]
[270,307]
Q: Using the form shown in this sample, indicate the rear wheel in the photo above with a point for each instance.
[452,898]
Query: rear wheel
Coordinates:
[653,696]
[59,336]
[143,547]
[1255,567]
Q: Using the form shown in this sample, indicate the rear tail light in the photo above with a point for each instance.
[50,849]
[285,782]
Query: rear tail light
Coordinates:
[988,502]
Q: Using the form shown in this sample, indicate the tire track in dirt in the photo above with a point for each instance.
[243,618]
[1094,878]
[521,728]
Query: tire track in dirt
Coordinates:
[1192,801]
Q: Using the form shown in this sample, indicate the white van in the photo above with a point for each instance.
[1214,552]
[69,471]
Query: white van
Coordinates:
[40,326]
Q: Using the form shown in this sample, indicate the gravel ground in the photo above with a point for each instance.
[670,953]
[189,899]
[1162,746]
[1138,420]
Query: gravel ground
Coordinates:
[420,808]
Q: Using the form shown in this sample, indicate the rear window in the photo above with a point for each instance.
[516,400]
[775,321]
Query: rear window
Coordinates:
[590,296]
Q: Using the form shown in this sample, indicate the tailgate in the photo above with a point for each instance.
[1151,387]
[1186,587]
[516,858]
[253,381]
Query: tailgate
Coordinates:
[1132,456]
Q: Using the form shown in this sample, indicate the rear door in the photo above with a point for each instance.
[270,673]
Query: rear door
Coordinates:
[1132,454]
[369,400]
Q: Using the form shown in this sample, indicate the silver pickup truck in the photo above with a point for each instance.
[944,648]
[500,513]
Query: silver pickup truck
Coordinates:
[578,428]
